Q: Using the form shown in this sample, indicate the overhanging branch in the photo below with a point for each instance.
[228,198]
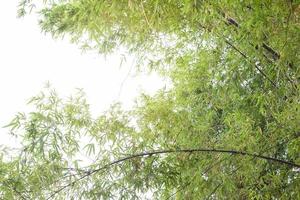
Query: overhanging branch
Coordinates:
[158,152]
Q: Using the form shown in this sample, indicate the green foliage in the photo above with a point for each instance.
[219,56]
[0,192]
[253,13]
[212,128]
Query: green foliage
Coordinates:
[235,75]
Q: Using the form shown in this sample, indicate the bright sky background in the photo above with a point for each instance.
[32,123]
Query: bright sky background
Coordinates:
[28,59]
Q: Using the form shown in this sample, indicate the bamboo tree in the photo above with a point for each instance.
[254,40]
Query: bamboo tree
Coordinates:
[227,128]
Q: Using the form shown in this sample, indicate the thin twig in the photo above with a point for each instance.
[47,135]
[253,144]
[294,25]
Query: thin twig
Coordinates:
[146,16]
[214,191]
[255,65]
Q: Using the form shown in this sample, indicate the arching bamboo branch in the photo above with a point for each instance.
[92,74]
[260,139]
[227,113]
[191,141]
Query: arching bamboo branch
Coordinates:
[158,152]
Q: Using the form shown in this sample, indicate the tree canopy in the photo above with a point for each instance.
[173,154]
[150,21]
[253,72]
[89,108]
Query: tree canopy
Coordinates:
[227,128]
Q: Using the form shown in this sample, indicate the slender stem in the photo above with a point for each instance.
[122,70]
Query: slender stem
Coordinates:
[150,153]
[255,65]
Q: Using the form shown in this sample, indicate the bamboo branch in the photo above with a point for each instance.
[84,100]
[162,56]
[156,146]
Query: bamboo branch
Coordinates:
[214,191]
[158,152]
[255,65]
[233,22]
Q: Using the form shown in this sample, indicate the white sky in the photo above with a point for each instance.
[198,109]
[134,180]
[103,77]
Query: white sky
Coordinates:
[28,59]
